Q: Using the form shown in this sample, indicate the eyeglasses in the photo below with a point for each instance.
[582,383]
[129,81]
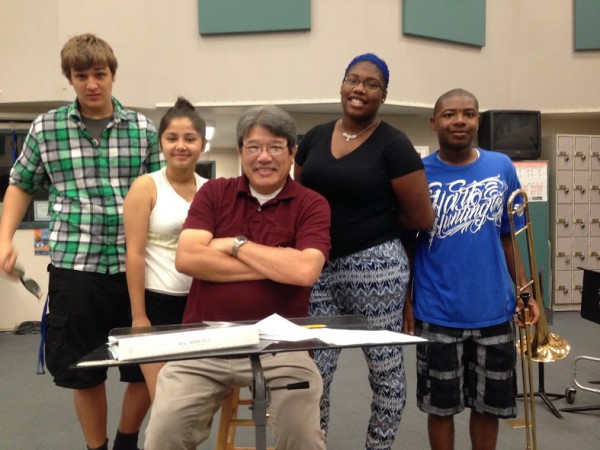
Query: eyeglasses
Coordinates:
[30,284]
[369,84]
[273,150]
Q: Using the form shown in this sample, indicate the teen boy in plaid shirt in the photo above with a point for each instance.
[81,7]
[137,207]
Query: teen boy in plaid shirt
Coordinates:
[87,154]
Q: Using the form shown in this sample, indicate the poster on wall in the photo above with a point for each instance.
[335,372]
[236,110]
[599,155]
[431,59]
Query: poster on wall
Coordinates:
[533,176]
[41,246]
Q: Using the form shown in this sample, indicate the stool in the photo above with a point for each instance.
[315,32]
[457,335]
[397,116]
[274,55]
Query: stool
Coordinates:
[230,421]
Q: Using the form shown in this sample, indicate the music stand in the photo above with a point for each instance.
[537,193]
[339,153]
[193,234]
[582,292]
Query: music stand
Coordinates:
[590,310]
[102,357]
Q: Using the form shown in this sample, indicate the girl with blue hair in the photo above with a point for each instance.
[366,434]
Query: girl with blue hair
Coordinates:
[375,184]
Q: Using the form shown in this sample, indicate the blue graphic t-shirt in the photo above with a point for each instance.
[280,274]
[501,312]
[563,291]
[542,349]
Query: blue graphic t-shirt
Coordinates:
[461,279]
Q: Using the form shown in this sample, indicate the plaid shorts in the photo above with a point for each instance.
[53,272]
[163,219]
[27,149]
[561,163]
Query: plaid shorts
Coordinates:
[472,368]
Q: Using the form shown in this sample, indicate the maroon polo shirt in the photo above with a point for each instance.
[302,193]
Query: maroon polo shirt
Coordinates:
[297,217]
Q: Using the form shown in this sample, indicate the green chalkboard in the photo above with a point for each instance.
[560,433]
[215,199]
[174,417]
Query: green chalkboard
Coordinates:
[252,16]
[587,24]
[461,21]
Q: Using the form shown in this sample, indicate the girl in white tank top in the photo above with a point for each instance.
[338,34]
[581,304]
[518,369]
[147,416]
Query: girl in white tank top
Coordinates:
[154,211]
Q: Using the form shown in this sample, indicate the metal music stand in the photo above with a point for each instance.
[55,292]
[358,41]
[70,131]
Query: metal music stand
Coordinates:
[101,357]
[590,310]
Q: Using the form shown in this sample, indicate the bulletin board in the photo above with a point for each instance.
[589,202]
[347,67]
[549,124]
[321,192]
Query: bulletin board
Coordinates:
[460,21]
[252,16]
[586,20]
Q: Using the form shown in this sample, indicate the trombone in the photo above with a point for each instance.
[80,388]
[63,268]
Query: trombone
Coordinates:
[539,345]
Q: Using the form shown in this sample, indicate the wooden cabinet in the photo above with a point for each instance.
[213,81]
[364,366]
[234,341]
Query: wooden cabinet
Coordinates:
[574,180]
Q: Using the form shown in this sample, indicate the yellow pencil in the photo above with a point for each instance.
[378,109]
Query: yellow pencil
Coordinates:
[315,326]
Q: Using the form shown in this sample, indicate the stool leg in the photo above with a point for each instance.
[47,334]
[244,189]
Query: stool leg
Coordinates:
[228,412]
[230,421]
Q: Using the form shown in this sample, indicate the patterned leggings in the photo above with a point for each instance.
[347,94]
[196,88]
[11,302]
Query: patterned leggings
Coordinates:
[371,283]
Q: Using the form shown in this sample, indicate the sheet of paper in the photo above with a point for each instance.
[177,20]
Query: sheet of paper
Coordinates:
[277,328]
[359,337]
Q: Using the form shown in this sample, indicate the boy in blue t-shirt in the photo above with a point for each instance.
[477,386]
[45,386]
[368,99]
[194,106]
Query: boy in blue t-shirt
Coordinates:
[463,299]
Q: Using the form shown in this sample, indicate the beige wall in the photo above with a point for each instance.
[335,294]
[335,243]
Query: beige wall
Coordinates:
[528,61]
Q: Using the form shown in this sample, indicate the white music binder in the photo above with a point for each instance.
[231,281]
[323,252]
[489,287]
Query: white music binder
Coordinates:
[147,345]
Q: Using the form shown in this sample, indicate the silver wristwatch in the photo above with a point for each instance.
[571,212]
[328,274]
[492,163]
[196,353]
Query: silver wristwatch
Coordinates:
[237,243]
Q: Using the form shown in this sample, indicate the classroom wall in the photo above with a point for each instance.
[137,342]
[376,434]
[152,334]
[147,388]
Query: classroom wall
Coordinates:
[528,61]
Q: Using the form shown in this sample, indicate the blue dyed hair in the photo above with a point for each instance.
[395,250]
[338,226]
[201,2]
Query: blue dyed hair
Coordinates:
[372,58]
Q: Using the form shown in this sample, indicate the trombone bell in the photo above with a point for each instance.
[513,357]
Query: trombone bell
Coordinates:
[555,349]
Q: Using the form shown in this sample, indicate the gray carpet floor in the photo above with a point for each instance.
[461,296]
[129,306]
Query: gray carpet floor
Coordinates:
[34,414]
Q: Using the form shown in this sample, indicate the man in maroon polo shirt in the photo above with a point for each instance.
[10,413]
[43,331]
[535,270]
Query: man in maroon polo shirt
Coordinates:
[254,245]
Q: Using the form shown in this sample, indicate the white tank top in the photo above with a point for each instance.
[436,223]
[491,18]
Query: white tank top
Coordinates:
[164,226]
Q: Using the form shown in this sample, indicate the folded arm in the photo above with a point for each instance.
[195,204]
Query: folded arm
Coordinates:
[195,257]
[205,258]
[282,264]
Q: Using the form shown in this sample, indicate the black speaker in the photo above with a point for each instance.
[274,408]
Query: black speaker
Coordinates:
[590,296]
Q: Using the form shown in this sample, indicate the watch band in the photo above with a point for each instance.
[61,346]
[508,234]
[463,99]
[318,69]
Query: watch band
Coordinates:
[237,243]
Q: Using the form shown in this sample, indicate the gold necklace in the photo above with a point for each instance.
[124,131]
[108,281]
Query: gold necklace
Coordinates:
[350,137]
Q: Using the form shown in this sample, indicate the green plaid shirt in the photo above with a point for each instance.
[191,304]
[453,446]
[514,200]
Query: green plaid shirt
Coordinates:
[87,182]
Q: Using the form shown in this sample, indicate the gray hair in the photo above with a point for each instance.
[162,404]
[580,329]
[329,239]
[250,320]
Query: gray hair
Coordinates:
[273,118]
